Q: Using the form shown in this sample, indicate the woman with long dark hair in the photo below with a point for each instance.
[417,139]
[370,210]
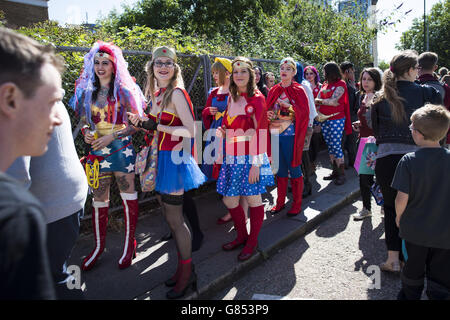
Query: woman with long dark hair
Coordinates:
[370,82]
[104,93]
[259,80]
[333,106]
[390,114]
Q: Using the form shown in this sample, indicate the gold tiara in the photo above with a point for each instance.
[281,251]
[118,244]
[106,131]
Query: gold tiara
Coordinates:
[104,55]
[242,64]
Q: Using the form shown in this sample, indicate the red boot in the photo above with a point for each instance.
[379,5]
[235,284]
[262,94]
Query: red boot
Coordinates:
[173,280]
[256,222]
[238,216]
[297,194]
[99,223]
[131,211]
[186,279]
[282,184]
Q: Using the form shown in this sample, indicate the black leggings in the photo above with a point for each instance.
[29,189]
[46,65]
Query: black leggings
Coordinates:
[384,172]
[365,182]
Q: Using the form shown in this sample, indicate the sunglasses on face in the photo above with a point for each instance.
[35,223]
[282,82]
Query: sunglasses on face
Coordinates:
[160,64]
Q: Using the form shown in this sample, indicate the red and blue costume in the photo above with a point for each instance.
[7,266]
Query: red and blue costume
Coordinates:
[290,145]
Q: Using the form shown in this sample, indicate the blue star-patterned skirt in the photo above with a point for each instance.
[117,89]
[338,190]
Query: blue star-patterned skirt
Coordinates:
[177,171]
[119,156]
[233,177]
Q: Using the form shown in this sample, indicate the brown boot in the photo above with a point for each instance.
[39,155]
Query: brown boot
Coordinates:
[333,174]
[340,179]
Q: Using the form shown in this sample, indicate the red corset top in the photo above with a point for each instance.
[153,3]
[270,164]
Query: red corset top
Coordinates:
[166,141]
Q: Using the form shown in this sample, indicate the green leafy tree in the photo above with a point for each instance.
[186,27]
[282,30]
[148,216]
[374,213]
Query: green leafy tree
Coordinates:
[439,27]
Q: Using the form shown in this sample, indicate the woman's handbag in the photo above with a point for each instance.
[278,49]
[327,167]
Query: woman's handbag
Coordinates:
[366,156]
[147,164]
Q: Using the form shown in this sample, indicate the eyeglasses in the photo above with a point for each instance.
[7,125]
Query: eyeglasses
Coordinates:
[411,128]
[168,64]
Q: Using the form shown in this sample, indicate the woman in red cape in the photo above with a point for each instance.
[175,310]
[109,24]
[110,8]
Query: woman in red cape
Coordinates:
[288,111]
[333,102]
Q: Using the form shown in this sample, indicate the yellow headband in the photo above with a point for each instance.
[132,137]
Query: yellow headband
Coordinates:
[164,52]
[225,62]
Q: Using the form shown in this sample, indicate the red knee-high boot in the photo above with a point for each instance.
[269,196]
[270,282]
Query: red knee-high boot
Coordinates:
[282,185]
[186,279]
[131,211]
[173,280]
[99,223]
[297,194]
[256,222]
[238,216]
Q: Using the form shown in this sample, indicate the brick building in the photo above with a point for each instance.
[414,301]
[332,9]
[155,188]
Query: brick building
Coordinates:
[20,13]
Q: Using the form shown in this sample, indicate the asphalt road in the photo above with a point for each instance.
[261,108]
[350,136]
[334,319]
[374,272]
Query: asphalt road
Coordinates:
[336,261]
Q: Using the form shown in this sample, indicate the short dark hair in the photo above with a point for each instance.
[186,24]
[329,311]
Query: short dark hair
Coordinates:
[428,60]
[346,65]
[21,59]
[332,72]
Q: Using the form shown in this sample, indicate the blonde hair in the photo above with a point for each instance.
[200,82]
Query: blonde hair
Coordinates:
[400,64]
[432,121]
[150,88]
[251,85]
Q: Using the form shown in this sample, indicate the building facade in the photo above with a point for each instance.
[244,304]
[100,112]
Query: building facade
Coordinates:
[20,13]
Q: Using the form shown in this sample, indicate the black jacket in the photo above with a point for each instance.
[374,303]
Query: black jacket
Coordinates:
[416,96]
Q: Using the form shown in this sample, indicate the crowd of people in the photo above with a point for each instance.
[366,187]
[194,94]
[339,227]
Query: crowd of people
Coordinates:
[259,133]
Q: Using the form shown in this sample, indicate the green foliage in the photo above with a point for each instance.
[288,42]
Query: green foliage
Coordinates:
[383,65]
[2,18]
[263,28]
[438,25]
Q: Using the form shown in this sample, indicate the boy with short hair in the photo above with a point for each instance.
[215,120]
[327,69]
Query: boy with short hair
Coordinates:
[422,206]
[30,87]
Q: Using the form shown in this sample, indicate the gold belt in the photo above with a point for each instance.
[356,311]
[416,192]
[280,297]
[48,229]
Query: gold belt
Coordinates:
[239,139]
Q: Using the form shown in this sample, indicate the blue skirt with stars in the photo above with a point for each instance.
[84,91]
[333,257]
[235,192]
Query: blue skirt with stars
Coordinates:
[233,177]
[119,156]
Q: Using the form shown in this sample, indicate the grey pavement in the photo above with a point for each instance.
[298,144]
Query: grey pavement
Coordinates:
[156,260]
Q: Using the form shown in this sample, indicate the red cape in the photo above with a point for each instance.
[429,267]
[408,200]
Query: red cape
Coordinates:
[299,100]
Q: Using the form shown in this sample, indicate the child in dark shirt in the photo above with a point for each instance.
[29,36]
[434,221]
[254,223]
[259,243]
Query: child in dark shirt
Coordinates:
[422,206]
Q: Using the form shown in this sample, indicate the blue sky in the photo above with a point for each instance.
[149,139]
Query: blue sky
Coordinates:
[75,11]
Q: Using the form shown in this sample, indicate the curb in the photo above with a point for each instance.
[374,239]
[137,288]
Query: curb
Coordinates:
[207,291]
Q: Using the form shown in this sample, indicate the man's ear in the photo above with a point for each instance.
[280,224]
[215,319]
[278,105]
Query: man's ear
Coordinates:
[8,99]
[435,67]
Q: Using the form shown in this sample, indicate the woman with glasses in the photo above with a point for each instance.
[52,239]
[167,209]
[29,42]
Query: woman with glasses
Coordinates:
[390,115]
[171,118]
[104,93]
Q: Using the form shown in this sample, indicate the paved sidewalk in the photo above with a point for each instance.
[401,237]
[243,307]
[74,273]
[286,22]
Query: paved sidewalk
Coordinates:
[156,261]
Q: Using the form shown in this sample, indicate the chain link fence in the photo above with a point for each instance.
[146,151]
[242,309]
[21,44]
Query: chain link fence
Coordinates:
[196,71]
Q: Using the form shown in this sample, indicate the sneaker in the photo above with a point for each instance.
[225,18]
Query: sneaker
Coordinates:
[364,213]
